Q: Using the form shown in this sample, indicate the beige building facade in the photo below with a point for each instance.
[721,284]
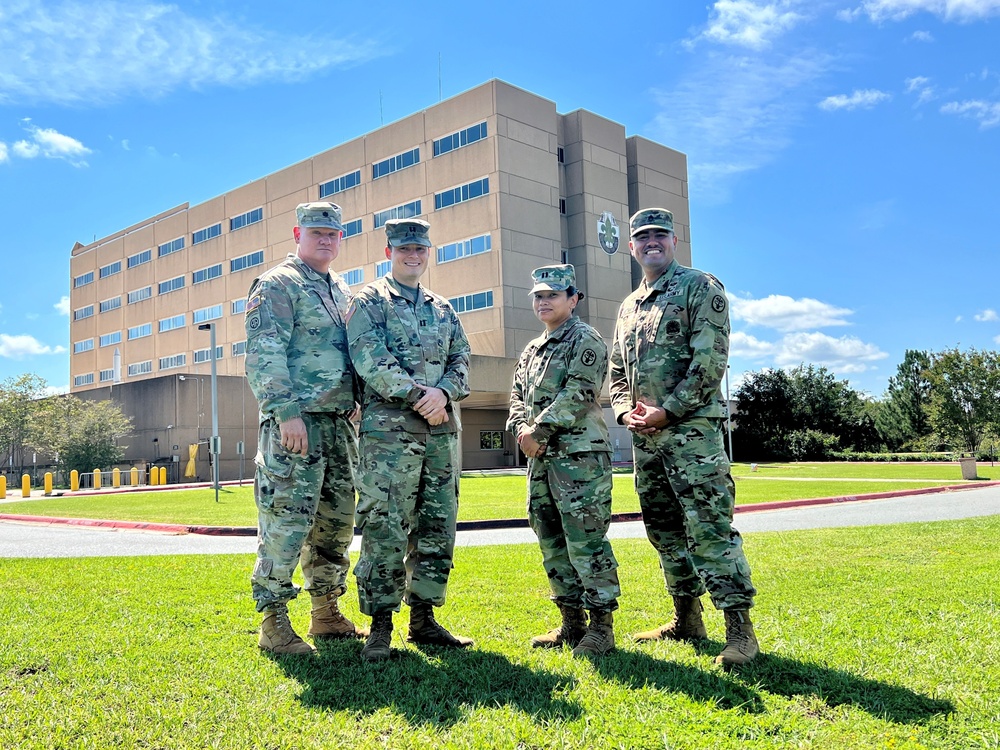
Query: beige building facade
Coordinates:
[507,184]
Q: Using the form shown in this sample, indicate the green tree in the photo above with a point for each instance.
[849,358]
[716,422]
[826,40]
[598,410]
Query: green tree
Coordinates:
[19,398]
[904,420]
[804,413]
[964,403]
[763,415]
[84,434]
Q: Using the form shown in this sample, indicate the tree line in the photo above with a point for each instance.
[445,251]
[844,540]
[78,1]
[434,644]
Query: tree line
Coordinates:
[946,401]
[72,432]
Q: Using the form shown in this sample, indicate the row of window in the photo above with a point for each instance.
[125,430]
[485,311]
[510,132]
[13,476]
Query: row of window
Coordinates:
[462,304]
[445,253]
[379,169]
[166,324]
[170,285]
[168,248]
[173,361]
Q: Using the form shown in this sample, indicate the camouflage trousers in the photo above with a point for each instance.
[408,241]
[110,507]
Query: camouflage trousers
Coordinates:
[305,509]
[687,497]
[569,509]
[407,511]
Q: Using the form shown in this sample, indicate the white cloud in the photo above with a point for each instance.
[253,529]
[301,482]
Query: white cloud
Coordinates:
[950,10]
[50,144]
[55,390]
[921,86]
[996,339]
[125,144]
[4,155]
[787,314]
[987,316]
[958,319]
[734,113]
[744,23]
[19,347]
[987,114]
[846,354]
[94,52]
[62,306]
[866,98]
[921,36]
[744,345]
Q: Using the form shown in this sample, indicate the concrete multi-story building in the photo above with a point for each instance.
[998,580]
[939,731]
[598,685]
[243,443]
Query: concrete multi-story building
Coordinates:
[507,184]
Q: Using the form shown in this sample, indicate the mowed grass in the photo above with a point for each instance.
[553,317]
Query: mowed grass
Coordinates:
[487,497]
[880,637]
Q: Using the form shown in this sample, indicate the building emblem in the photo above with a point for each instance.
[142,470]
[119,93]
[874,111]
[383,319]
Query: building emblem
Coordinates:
[607,232]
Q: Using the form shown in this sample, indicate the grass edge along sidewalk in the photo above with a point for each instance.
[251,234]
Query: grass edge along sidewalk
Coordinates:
[501,523]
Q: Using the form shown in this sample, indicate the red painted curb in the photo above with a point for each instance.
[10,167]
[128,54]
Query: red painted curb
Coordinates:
[502,523]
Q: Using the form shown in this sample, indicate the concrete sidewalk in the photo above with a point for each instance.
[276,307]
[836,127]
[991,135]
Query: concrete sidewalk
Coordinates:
[486,525]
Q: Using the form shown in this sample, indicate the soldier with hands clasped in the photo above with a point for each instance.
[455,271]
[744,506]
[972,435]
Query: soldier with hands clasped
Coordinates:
[556,417]
[411,353]
[668,359]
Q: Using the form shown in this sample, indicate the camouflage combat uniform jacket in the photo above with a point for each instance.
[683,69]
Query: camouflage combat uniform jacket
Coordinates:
[297,358]
[671,346]
[556,386]
[397,345]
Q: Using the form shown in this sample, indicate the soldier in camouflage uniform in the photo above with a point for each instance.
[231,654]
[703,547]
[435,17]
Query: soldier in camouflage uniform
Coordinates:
[299,368]
[412,354]
[668,359]
[558,423]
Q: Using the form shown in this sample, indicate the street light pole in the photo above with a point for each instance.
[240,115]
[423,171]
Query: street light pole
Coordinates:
[214,444]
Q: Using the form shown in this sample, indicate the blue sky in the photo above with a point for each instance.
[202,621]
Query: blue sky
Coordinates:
[843,156]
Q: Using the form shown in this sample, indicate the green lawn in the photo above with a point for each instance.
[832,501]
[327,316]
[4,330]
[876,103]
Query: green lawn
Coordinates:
[875,470]
[482,498]
[880,637]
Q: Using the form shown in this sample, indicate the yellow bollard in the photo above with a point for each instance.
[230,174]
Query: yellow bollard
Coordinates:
[97,479]
[134,476]
[154,476]
[163,475]
[74,480]
[48,484]
[25,486]
[3,487]
[116,477]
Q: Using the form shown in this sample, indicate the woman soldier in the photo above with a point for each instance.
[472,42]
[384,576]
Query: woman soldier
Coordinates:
[557,420]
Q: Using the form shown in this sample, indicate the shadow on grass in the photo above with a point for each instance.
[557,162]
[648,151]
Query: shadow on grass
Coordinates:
[776,675]
[836,687]
[436,687]
[638,670]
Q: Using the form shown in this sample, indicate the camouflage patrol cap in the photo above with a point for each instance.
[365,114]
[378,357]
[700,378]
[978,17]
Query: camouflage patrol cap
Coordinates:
[558,278]
[322,214]
[399,232]
[650,218]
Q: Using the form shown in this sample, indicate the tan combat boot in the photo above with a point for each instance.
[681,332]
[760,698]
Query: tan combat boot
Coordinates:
[377,646]
[573,628]
[600,636]
[327,620]
[424,629]
[741,641]
[277,635]
[687,624]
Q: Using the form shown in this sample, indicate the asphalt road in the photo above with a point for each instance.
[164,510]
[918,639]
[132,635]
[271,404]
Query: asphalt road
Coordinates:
[31,540]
